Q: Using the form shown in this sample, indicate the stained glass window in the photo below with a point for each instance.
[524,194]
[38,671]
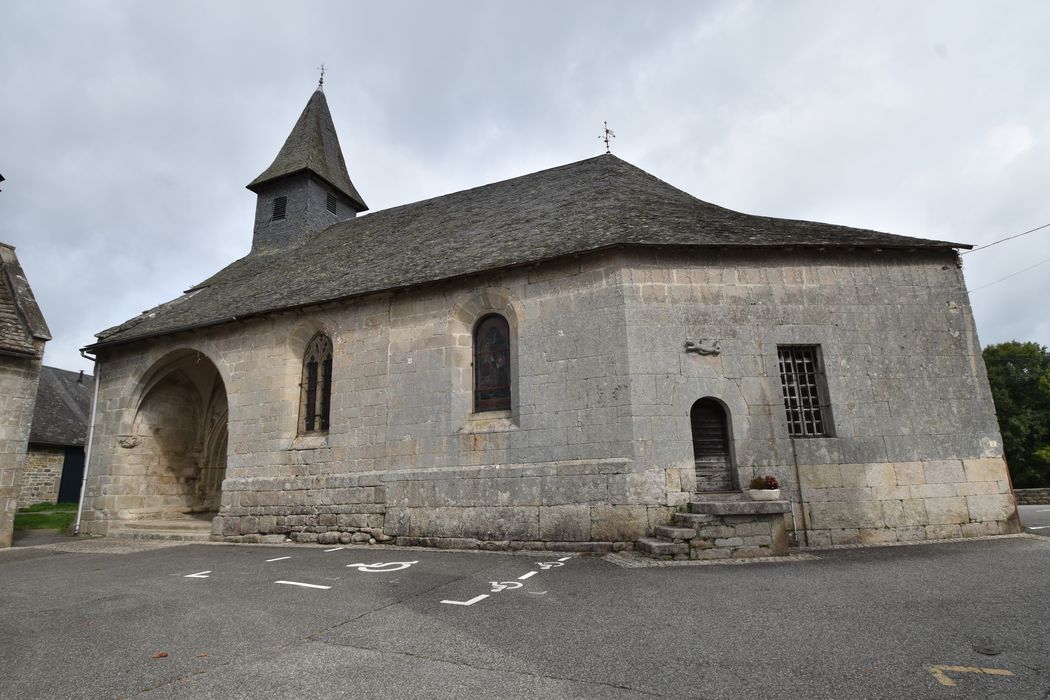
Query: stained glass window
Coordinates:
[316,385]
[492,364]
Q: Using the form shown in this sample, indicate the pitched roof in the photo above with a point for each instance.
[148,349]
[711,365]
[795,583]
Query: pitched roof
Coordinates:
[590,205]
[20,319]
[313,146]
[63,407]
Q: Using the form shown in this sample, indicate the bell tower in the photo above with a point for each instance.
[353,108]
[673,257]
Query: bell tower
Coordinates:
[306,189]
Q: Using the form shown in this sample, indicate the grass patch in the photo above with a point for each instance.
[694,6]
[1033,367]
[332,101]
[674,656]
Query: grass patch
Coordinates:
[46,516]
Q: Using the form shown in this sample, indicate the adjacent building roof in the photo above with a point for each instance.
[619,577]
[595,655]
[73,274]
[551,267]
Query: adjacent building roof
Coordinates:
[63,407]
[20,319]
[313,146]
[591,205]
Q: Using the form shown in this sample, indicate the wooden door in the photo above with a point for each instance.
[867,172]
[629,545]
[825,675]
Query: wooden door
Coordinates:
[711,454]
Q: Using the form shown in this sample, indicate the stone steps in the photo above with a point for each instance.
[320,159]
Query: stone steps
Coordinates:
[188,529]
[670,532]
[742,507]
[655,545]
[693,520]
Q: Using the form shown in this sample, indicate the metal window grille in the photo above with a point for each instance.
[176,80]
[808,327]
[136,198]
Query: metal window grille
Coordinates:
[331,203]
[279,206]
[804,385]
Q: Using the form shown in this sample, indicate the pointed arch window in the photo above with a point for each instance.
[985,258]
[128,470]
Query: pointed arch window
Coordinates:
[492,364]
[316,402]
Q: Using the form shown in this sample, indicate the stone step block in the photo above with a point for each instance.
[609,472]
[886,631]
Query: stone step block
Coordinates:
[674,533]
[739,507]
[653,545]
[693,520]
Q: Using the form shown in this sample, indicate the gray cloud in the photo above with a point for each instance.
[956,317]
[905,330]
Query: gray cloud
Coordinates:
[130,129]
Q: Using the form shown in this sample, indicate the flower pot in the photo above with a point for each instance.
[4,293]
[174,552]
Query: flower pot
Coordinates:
[764,494]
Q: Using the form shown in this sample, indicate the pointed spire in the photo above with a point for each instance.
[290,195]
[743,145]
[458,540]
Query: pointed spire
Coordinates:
[313,146]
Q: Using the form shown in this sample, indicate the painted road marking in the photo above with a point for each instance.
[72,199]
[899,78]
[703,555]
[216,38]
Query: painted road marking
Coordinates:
[383,567]
[1038,527]
[942,678]
[498,586]
[304,585]
[549,564]
[334,549]
[473,600]
[528,575]
[278,559]
[565,559]
[1044,510]
[199,574]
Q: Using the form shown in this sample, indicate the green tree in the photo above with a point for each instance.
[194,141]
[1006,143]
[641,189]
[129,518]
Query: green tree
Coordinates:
[1019,374]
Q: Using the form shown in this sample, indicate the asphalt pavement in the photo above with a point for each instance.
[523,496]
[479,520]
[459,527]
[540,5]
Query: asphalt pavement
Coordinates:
[1035,519]
[108,618]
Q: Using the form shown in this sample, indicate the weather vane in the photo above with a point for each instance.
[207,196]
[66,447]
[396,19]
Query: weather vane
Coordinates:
[606,136]
[320,83]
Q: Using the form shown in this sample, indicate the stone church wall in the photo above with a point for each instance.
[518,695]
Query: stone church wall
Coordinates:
[915,452]
[404,456]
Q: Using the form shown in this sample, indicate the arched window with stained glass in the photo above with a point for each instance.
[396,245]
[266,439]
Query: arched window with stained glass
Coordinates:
[492,371]
[316,386]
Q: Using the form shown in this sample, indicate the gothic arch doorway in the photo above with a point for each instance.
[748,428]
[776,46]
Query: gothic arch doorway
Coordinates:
[711,446]
[176,455]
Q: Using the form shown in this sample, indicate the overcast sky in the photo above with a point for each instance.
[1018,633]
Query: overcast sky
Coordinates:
[129,129]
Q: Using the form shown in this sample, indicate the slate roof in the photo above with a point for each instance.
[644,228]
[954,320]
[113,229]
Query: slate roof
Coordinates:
[20,319]
[63,407]
[314,146]
[594,204]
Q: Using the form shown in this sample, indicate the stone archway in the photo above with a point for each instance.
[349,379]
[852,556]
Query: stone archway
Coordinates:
[176,459]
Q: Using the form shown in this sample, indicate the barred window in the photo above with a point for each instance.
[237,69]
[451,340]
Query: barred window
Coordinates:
[492,364]
[331,203]
[316,387]
[805,390]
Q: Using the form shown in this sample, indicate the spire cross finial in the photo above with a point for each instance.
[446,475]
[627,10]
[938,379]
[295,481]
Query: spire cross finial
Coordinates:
[320,83]
[606,136]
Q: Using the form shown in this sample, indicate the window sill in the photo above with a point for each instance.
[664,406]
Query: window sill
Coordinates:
[489,422]
[310,442]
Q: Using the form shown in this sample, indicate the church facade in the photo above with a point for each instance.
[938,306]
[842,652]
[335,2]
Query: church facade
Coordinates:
[581,358]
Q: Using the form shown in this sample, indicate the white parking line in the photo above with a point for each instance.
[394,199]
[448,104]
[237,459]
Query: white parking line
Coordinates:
[199,574]
[565,559]
[528,575]
[473,600]
[334,549]
[1038,527]
[278,559]
[304,585]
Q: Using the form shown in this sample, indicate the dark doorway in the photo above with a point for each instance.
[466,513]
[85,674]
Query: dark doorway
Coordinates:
[72,475]
[711,453]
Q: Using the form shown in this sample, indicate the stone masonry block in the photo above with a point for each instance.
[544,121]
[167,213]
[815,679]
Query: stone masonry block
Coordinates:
[990,508]
[944,472]
[946,511]
[565,523]
[618,523]
[880,475]
[984,469]
[909,473]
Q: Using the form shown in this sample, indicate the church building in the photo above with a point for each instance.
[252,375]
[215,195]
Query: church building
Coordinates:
[584,358]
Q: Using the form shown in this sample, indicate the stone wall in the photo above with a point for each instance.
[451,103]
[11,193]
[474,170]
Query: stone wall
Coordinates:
[915,450]
[41,475]
[1032,497]
[18,382]
[596,447]
[405,453]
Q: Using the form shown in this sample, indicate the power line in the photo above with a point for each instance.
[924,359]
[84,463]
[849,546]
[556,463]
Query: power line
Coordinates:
[1001,240]
[1011,275]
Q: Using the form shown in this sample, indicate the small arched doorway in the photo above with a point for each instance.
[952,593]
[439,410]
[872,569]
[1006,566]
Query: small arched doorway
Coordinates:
[177,452]
[711,449]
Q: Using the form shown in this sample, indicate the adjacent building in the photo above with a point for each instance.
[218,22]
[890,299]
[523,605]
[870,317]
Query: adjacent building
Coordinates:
[23,334]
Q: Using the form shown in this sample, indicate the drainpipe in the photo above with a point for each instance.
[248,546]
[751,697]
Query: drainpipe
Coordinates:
[801,500]
[90,440]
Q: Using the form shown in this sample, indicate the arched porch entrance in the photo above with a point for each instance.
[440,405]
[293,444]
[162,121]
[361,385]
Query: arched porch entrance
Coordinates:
[178,439]
[711,447]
